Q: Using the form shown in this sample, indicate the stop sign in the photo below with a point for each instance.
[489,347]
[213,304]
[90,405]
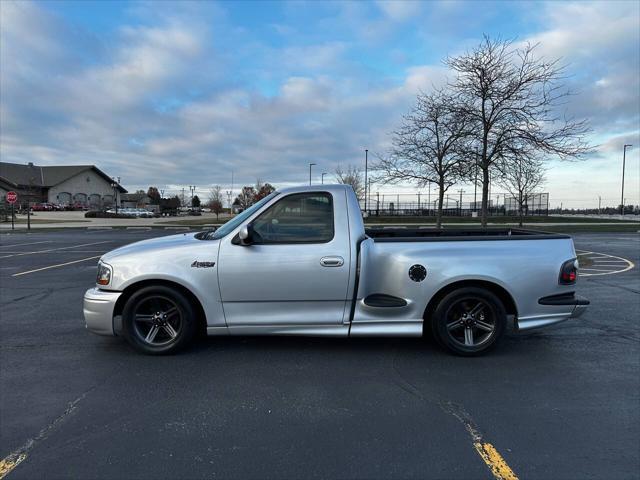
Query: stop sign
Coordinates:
[12,197]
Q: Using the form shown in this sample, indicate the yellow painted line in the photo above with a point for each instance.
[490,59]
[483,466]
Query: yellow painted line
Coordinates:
[10,462]
[56,249]
[55,266]
[494,461]
[498,466]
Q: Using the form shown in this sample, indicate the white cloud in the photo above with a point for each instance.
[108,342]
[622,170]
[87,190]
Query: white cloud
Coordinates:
[600,44]
[399,10]
[167,101]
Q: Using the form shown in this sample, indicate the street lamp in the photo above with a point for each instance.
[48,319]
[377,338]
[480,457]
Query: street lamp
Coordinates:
[114,185]
[193,189]
[323,174]
[229,193]
[310,165]
[624,155]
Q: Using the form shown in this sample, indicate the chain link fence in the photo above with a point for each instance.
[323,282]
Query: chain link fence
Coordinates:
[460,205]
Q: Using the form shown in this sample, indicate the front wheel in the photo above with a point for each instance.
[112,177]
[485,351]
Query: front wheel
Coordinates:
[158,320]
[469,321]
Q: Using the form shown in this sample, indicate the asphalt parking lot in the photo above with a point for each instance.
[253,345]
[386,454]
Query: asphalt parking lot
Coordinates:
[562,403]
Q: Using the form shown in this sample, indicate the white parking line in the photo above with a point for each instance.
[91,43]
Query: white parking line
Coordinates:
[603,264]
[23,244]
[611,264]
[588,269]
[55,266]
[55,249]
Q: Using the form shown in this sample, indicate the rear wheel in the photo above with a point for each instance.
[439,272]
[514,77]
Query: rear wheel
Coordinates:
[158,320]
[469,321]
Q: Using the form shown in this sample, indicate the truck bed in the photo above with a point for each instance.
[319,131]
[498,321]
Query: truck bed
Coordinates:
[431,234]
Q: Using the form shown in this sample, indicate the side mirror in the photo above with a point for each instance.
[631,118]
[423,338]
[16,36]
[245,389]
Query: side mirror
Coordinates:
[246,234]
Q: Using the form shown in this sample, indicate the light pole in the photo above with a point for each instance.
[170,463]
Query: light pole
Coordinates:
[323,174]
[230,195]
[599,203]
[460,204]
[114,185]
[193,189]
[229,201]
[366,169]
[624,155]
[310,165]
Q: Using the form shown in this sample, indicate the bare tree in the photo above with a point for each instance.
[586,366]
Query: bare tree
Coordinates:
[351,176]
[154,195]
[512,99]
[216,199]
[428,147]
[262,190]
[520,176]
[246,197]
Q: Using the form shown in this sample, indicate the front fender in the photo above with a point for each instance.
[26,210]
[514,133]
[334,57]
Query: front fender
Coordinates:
[193,267]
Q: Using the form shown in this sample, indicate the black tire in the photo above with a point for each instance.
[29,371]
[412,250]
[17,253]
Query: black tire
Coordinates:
[161,308]
[461,321]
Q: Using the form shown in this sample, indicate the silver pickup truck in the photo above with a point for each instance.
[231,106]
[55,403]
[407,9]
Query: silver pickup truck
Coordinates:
[300,262]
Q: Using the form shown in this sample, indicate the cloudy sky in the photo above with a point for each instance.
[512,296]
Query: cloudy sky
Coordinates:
[173,94]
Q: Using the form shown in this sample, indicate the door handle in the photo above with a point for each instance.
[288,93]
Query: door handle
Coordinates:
[332,261]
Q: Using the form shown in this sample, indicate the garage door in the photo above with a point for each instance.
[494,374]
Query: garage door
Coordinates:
[94,200]
[64,198]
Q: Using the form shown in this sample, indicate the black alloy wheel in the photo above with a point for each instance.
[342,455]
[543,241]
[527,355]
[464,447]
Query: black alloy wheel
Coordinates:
[469,321]
[158,320]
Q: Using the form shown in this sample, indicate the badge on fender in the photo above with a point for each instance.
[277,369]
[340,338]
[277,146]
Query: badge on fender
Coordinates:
[197,264]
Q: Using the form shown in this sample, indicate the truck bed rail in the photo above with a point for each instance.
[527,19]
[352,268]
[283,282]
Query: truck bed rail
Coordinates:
[402,234]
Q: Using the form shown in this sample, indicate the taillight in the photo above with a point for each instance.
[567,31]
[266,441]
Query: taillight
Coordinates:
[568,272]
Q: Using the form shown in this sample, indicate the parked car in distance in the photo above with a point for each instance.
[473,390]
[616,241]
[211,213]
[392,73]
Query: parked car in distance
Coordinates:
[79,206]
[42,207]
[300,262]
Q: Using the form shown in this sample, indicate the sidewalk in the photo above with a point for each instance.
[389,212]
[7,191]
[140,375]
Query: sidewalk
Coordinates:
[44,220]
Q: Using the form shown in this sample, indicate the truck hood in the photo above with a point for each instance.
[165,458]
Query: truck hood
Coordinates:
[153,245]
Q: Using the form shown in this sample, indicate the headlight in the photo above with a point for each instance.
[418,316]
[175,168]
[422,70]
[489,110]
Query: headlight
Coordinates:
[104,274]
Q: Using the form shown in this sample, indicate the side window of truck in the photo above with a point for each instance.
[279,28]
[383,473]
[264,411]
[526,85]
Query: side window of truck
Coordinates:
[298,218]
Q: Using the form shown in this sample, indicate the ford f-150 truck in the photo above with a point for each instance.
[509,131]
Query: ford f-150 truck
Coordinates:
[300,262]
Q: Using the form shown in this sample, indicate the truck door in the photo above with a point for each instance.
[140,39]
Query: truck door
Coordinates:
[296,270]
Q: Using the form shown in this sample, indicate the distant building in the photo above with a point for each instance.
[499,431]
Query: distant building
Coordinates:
[63,185]
[138,200]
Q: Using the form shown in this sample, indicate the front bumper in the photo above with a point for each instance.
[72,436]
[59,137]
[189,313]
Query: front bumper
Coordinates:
[98,310]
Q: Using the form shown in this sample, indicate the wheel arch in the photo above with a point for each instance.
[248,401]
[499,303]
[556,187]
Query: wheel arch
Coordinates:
[201,317]
[499,291]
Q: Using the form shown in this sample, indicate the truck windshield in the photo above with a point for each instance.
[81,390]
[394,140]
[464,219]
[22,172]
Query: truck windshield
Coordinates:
[241,217]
